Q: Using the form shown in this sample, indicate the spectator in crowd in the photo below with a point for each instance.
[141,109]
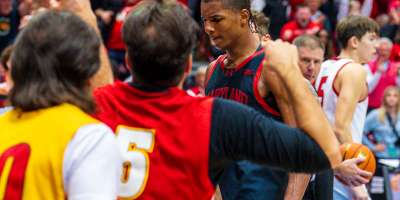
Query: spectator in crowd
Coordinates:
[391,28]
[105,11]
[198,89]
[355,7]
[275,10]
[316,15]
[302,24]
[383,73]
[326,39]
[9,22]
[382,126]
[382,20]
[115,44]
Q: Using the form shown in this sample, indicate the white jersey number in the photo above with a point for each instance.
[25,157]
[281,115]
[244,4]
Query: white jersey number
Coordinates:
[135,145]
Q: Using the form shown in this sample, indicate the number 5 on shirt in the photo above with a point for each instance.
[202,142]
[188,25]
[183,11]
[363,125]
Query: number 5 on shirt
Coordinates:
[135,145]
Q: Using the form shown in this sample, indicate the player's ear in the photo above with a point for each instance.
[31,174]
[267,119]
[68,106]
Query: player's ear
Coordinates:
[353,42]
[244,17]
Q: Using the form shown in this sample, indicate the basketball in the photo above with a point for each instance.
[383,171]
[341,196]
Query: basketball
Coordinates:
[355,150]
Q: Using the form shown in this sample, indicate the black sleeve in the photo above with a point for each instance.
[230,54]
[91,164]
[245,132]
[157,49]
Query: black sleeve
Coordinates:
[241,133]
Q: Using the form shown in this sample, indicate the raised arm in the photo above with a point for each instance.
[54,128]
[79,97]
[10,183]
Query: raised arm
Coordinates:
[83,9]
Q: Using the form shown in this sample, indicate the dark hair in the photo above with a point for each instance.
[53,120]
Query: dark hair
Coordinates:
[159,38]
[356,26]
[5,56]
[54,57]
[239,5]
[309,41]
[262,22]
[233,4]
[302,5]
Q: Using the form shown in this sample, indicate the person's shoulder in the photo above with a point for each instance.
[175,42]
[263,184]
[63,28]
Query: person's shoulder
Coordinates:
[109,89]
[354,69]
[374,113]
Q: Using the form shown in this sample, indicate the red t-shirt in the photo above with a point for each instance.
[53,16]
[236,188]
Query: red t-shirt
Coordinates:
[292,30]
[115,40]
[168,132]
[388,78]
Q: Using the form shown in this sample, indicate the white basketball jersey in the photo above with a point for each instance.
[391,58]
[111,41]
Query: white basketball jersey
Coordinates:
[328,96]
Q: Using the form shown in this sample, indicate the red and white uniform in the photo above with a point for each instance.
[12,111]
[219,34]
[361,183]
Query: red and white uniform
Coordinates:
[329,96]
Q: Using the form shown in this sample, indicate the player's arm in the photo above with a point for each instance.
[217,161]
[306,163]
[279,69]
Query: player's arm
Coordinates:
[297,183]
[239,132]
[351,86]
[83,9]
[92,145]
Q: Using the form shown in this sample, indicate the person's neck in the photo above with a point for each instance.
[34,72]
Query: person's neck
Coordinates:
[350,54]
[244,47]
[147,87]
[392,111]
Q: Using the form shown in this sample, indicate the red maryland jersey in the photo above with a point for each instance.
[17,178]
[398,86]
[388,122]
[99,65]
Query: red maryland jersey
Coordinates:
[164,138]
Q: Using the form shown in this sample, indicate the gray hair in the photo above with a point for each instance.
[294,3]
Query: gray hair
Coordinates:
[310,41]
[386,40]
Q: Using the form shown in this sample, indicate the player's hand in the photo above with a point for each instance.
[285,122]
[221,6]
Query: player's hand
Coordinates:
[82,8]
[359,193]
[280,57]
[349,174]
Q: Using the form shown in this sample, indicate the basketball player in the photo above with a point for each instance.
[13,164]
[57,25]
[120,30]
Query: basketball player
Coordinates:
[50,148]
[237,76]
[175,145]
[342,88]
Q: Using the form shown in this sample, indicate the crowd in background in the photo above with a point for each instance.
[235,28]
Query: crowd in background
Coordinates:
[288,19]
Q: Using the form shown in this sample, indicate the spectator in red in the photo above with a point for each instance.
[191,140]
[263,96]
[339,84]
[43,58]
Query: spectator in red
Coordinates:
[392,30]
[115,44]
[383,74]
[302,24]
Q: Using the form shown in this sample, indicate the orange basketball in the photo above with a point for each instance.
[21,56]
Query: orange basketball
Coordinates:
[355,150]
